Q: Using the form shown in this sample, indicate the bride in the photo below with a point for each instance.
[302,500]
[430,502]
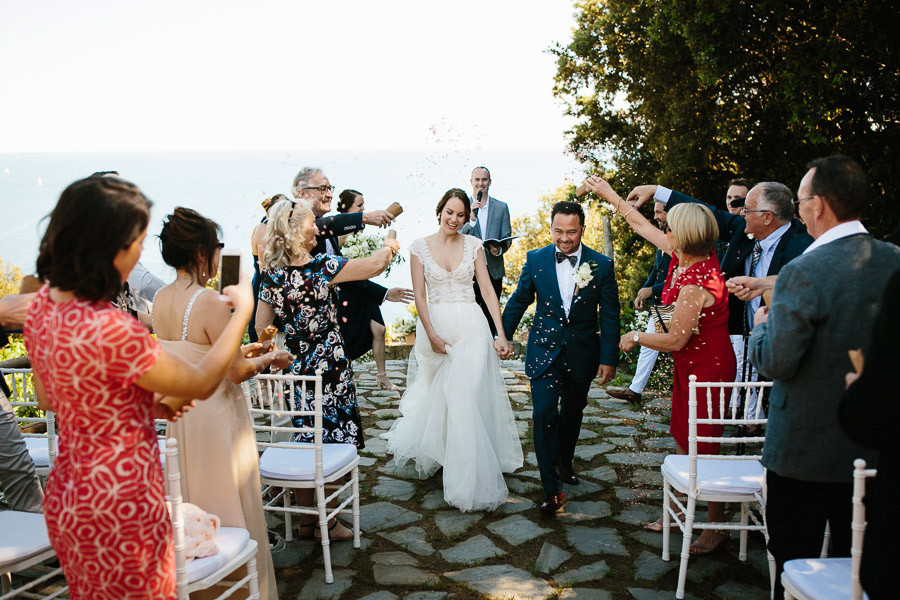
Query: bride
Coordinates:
[455,412]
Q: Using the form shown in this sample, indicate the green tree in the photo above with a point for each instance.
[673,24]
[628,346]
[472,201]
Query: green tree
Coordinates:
[692,93]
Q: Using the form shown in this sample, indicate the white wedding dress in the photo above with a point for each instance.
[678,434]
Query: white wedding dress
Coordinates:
[455,411]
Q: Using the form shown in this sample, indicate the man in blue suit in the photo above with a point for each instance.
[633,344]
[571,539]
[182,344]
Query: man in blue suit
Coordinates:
[574,339]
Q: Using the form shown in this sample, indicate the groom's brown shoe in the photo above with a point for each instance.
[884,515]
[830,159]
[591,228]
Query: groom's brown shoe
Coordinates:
[625,394]
[553,503]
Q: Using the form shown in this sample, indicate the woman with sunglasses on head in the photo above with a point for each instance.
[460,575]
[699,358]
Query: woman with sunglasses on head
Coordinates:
[217,452]
[98,369]
[299,289]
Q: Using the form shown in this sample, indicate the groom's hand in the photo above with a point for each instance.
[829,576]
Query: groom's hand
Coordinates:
[606,373]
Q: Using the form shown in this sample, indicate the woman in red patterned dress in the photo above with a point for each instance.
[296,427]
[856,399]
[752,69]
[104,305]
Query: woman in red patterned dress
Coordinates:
[98,368]
[698,332]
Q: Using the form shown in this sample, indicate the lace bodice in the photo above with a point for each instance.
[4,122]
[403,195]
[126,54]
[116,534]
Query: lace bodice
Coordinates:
[444,285]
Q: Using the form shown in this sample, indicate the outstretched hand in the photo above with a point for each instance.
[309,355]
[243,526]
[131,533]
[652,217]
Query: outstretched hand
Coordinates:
[380,218]
[601,187]
[400,295]
[641,194]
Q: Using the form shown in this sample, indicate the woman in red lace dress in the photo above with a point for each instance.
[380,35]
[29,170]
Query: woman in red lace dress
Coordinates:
[98,368]
[698,332]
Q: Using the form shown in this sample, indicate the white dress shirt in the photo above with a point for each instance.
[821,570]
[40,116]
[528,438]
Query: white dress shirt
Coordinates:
[765,259]
[837,232]
[483,217]
[564,276]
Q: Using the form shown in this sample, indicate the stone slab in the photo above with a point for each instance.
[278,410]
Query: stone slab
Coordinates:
[584,488]
[503,581]
[622,430]
[426,595]
[393,489]
[516,529]
[591,572]
[515,504]
[575,512]
[595,540]
[644,459]
[580,593]
[382,595]
[650,567]
[521,487]
[471,551]
[343,553]
[733,590]
[646,594]
[407,471]
[453,523]
[639,514]
[403,575]
[315,586]
[411,538]
[630,495]
[294,553]
[647,477]
[587,434]
[394,558]
[589,451]
[622,441]
[605,473]
[550,558]
[384,515]
[434,500]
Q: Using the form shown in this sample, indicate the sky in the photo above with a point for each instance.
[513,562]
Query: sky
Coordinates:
[191,75]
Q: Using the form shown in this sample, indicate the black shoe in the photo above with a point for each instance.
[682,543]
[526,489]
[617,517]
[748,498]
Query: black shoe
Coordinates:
[625,394]
[553,503]
[568,475]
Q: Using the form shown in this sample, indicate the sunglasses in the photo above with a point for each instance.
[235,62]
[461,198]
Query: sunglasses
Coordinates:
[737,202]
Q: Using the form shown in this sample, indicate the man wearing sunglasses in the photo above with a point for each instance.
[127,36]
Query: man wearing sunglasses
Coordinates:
[736,195]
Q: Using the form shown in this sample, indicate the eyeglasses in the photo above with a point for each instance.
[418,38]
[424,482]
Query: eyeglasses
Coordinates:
[799,200]
[220,245]
[736,202]
[322,188]
[744,210]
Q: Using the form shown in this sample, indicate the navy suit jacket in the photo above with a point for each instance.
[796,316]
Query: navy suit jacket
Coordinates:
[732,229]
[329,229]
[591,332]
[656,280]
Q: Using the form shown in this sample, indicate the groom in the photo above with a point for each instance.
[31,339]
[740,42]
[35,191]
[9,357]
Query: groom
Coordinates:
[576,291]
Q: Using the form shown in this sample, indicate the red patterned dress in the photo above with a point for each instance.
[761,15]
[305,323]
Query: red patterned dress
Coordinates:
[105,502]
[708,354]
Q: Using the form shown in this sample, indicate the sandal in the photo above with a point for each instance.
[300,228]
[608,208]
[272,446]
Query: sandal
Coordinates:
[721,538]
[657,526]
[382,382]
[345,537]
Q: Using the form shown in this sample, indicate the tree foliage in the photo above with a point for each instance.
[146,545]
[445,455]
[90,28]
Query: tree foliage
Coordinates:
[690,93]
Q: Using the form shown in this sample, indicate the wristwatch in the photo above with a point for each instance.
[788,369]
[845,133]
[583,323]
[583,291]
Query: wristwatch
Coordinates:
[636,337]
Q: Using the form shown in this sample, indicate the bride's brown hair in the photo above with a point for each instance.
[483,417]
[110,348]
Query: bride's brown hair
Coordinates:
[454,193]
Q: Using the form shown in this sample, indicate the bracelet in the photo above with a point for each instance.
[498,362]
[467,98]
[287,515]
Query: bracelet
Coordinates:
[618,202]
[625,216]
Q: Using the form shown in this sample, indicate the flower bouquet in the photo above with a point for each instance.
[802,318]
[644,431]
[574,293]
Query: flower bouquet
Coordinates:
[360,245]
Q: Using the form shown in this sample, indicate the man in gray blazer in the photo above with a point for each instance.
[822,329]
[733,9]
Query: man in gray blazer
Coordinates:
[824,304]
[490,221]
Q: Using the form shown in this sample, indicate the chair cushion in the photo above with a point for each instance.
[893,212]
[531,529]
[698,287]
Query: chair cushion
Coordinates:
[161,442]
[23,534]
[298,463]
[820,578]
[717,476]
[39,450]
[230,540]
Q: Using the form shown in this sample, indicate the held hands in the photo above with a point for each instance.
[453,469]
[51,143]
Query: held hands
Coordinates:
[400,295]
[641,194]
[642,296]
[745,288]
[626,343]
[502,347]
[379,218]
[606,373]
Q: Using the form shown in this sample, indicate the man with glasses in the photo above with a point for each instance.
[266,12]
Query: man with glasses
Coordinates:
[763,238]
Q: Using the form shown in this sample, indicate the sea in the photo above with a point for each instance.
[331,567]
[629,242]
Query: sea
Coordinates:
[228,187]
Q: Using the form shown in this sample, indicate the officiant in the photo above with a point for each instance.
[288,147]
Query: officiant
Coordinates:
[489,221]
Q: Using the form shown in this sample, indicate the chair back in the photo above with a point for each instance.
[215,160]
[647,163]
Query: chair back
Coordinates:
[860,472]
[279,399]
[173,495]
[23,396]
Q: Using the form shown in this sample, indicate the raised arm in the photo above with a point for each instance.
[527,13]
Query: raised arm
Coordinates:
[635,219]
[358,269]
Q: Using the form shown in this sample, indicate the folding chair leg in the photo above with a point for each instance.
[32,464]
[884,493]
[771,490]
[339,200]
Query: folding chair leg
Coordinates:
[667,502]
[288,521]
[323,527]
[745,519]
[355,489]
[686,546]
[254,579]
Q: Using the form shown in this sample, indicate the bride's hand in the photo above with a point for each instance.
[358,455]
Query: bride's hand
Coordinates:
[438,345]
[502,347]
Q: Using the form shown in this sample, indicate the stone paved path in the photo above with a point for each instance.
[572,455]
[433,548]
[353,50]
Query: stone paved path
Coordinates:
[415,547]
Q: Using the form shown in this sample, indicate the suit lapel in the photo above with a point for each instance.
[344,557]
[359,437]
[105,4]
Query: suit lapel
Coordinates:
[549,265]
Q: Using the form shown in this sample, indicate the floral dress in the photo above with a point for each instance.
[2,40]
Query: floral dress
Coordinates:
[105,505]
[306,304]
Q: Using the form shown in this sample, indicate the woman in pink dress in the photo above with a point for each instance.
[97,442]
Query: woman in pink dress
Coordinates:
[98,368]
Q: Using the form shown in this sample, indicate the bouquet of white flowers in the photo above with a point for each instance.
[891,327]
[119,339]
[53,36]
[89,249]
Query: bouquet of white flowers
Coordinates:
[360,245]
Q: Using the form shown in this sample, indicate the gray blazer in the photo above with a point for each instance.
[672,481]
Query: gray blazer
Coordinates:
[498,227]
[824,304]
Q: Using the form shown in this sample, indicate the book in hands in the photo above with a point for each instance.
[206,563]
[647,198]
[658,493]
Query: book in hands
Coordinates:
[501,241]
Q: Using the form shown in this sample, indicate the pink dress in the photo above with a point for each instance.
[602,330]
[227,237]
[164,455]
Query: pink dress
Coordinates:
[105,502]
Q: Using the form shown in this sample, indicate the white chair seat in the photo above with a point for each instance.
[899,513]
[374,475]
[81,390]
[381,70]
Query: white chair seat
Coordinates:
[291,465]
[24,535]
[820,578]
[38,450]
[230,540]
[716,477]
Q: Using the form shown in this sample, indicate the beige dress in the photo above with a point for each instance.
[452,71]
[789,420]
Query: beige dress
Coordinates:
[219,461]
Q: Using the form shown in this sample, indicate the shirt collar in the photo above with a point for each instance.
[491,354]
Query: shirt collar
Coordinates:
[576,254]
[837,232]
[773,237]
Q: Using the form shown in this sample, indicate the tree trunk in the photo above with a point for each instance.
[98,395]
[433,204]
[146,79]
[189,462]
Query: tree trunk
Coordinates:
[608,248]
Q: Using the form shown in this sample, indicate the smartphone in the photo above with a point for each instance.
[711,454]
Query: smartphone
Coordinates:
[230,265]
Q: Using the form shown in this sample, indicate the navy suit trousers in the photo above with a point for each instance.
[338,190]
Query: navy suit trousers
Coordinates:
[558,401]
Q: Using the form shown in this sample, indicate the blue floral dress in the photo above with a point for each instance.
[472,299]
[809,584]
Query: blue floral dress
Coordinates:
[306,304]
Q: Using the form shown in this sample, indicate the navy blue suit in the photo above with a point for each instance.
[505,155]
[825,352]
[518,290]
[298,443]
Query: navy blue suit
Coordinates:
[563,354]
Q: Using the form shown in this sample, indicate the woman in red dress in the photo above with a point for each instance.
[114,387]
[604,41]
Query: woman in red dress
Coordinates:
[98,368]
[698,332]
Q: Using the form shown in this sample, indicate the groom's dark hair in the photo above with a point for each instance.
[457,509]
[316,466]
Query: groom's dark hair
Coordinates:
[568,208]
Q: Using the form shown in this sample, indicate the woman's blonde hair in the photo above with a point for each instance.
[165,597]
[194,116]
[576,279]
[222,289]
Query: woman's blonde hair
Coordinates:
[694,228]
[284,235]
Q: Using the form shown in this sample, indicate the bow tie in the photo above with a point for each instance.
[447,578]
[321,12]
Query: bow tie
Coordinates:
[569,257]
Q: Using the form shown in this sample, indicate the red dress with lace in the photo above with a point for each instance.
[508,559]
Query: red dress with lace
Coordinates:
[708,354]
[105,502]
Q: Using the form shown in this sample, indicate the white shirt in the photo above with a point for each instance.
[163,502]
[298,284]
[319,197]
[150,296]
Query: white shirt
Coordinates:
[765,259]
[483,216]
[565,273]
[837,232]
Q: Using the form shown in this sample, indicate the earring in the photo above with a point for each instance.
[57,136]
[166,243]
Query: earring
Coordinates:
[204,273]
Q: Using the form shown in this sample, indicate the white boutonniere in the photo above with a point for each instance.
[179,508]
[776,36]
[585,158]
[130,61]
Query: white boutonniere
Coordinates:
[583,275]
